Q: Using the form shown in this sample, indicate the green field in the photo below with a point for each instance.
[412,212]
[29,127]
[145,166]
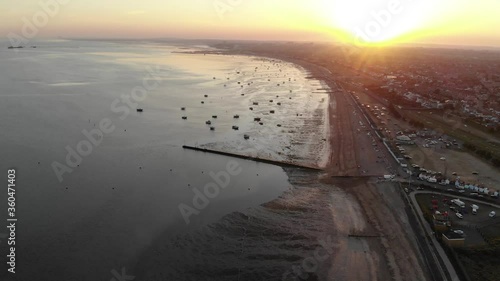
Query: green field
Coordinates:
[453,129]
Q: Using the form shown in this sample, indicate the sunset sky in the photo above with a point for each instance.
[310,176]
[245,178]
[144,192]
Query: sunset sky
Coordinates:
[461,22]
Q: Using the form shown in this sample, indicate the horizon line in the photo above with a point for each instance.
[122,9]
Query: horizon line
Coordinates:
[333,41]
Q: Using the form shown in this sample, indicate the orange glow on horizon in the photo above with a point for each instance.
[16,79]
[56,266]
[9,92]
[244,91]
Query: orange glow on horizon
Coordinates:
[360,22]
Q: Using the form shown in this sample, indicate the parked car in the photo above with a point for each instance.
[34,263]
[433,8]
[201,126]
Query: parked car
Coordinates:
[460,216]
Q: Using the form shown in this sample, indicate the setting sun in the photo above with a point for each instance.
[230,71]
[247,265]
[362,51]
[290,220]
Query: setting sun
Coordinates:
[369,22]
[383,22]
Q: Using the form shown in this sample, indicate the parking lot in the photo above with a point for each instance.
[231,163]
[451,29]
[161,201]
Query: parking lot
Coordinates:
[469,223]
[432,155]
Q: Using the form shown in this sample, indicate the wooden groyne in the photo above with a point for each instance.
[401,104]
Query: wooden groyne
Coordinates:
[256,159]
[357,176]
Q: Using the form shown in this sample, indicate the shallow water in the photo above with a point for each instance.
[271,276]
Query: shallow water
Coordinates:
[124,196]
[260,243]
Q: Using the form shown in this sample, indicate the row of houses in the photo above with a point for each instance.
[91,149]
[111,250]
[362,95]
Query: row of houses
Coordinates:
[476,188]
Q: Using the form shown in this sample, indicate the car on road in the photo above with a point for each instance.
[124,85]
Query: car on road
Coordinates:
[460,216]
[492,214]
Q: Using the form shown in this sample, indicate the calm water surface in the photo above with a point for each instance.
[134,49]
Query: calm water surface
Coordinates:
[120,206]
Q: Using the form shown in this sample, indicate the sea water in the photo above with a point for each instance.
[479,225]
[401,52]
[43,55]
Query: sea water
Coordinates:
[109,206]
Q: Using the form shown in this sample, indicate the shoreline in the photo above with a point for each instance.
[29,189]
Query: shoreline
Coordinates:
[323,162]
[350,154]
[332,166]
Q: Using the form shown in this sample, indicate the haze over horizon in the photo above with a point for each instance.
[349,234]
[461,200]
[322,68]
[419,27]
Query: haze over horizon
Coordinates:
[381,21]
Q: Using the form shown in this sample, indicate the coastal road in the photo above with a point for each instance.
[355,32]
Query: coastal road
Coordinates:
[429,233]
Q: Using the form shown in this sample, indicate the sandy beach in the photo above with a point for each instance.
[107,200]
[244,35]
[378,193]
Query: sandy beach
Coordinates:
[375,209]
